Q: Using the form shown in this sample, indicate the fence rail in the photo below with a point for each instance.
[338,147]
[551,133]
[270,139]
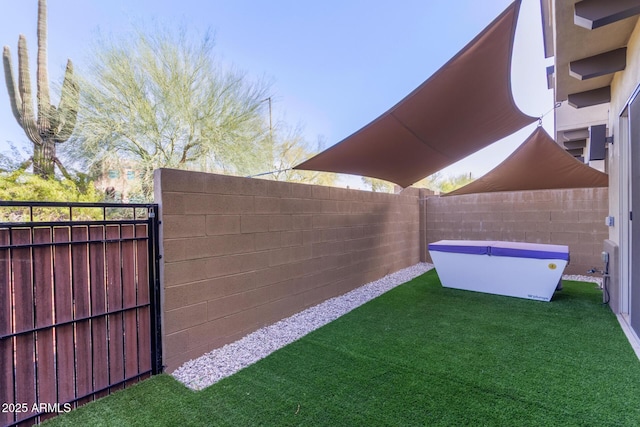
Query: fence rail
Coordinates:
[79,304]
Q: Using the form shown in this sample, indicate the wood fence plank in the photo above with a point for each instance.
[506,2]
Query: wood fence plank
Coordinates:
[55,280]
[142,255]
[129,301]
[43,293]
[144,341]
[65,355]
[21,264]
[114,302]
[6,326]
[144,313]
[99,306]
[82,302]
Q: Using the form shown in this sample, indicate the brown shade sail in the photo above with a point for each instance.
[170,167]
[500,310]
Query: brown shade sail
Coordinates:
[538,164]
[465,106]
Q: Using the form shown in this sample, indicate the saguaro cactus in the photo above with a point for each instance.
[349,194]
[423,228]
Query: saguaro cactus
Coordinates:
[52,125]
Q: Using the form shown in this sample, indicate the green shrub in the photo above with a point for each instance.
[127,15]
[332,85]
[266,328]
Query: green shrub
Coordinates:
[27,187]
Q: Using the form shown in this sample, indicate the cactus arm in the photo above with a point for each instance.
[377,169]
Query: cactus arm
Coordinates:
[24,86]
[12,85]
[44,103]
[67,111]
[24,165]
[62,168]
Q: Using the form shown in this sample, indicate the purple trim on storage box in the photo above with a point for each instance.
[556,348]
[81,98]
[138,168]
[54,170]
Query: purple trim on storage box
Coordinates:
[471,247]
[505,249]
[530,250]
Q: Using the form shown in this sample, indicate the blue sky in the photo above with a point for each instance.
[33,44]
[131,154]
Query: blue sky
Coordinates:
[335,65]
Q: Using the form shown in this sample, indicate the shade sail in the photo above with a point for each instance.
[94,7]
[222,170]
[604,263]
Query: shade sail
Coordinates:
[538,164]
[465,106]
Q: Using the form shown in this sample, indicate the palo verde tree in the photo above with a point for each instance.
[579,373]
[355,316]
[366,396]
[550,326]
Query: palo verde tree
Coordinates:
[437,182]
[52,125]
[285,148]
[378,185]
[158,98]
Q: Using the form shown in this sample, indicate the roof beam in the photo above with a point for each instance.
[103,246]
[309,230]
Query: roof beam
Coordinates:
[575,134]
[591,97]
[599,65]
[573,145]
[592,14]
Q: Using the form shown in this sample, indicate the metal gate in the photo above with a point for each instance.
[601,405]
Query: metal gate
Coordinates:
[79,304]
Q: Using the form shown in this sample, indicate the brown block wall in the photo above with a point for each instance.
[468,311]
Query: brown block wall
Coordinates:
[564,217]
[239,254]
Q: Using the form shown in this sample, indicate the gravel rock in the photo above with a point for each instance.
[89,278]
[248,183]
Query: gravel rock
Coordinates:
[583,278]
[229,359]
[222,362]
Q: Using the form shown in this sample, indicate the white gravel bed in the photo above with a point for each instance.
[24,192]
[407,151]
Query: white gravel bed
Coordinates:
[222,362]
[229,359]
[583,278]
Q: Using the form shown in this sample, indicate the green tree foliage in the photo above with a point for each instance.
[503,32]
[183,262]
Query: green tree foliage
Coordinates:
[378,185]
[430,182]
[285,148]
[437,182]
[28,187]
[51,125]
[21,186]
[159,99]
[454,182]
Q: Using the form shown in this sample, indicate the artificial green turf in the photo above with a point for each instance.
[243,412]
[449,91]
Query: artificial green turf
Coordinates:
[418,355]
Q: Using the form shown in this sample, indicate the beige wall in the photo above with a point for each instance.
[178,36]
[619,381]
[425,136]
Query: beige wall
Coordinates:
[242,253]
[564,217]
[623,86]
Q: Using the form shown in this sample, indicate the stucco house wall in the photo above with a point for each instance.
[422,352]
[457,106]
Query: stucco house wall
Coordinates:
[623,86]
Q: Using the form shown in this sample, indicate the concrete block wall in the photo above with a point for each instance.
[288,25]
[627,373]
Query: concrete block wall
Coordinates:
[239,254]
[565,217]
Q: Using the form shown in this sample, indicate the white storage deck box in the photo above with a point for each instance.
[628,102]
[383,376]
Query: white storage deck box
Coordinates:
[516,269]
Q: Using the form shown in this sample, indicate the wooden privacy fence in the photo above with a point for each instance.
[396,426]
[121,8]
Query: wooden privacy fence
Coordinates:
[79,304]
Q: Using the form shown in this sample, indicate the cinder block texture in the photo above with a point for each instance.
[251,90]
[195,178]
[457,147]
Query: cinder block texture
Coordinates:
[240,253]
[563,217]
